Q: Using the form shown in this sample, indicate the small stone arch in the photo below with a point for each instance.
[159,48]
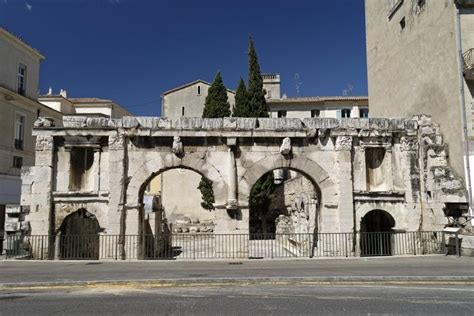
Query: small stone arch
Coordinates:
[376,228]
[79,236]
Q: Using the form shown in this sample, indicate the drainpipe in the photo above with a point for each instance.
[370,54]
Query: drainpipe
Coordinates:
[464,134]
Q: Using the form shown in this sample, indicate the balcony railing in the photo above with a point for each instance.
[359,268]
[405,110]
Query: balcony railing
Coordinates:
[468,58]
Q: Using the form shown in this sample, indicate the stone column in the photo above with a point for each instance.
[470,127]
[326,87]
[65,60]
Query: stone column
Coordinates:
[411,180]
[387,168]
[96,175]
[232,181]
[118,168]
[343,169]
[360,169]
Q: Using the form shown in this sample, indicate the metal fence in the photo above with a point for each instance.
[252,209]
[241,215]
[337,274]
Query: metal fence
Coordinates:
[224,246]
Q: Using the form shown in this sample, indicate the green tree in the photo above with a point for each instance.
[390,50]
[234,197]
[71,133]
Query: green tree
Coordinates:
[256,93]
[216,104]
[242,108]
[205,186]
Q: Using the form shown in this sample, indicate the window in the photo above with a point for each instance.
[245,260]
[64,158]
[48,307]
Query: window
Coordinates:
[363,112]
[21,79]
[182,111]
[315,113]
[346,113]
[19,131]
[402,23]
[82,159]
[394,5]
[199,90]
[17,162]
[420,5]
[269,94]
[282,113]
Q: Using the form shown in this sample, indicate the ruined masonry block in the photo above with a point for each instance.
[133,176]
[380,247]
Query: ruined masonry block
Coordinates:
[74,121]
[321,123]
[229,123]
[129,122]
[153,122]
[379,123]
[280,123]
[212,123]
[246,123]
[239,123]
[188,123]
[362,123]
[97,122]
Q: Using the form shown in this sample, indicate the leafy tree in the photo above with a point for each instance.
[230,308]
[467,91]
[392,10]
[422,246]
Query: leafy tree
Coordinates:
[205,186]
[256,93]
[242,107]
[216,104]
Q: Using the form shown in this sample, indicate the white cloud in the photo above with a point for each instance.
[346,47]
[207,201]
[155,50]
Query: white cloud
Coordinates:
[28,6]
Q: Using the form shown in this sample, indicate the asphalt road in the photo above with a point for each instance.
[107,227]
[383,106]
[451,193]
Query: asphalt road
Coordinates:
[253,300]
[15,272]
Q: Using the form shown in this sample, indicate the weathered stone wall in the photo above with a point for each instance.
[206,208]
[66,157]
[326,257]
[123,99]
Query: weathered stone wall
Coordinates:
[416,180]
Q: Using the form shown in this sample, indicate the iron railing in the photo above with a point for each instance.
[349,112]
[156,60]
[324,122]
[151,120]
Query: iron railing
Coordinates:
[224,246]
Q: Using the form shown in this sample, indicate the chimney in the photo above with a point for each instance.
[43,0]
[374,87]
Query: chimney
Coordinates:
[63,93]
[50,91]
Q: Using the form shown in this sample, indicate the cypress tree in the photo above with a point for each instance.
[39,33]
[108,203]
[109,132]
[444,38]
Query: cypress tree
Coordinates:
[256,94]
[205,186]
[216,104]
[241,108]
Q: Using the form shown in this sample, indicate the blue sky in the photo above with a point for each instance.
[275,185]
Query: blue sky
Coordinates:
[133,50]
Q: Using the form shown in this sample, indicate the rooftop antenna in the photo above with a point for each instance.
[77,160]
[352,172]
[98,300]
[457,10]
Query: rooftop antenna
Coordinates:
[348,91]
[298,84]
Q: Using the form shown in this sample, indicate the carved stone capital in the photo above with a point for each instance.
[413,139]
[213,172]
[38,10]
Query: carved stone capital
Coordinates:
[343,143]
[117,142]
[44,143]
[408,143]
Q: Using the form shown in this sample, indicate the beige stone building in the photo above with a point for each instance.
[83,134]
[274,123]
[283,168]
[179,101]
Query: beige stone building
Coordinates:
[19,108]
[420,60]
[305,107]
[83,106]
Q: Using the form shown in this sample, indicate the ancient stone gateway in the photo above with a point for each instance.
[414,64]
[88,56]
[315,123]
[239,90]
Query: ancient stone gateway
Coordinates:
[396,166]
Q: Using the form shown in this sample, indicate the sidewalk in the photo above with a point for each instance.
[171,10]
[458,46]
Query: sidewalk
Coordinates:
[435,269]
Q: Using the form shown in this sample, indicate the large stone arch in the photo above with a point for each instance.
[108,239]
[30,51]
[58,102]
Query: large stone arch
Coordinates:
[311,169]
[322,181]
[197,162]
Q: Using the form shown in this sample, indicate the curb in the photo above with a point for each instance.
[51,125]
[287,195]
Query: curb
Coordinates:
[345,280]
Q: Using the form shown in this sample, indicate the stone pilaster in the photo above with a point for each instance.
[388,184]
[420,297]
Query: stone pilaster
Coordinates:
[360,169]
[343,168]
[118,165]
